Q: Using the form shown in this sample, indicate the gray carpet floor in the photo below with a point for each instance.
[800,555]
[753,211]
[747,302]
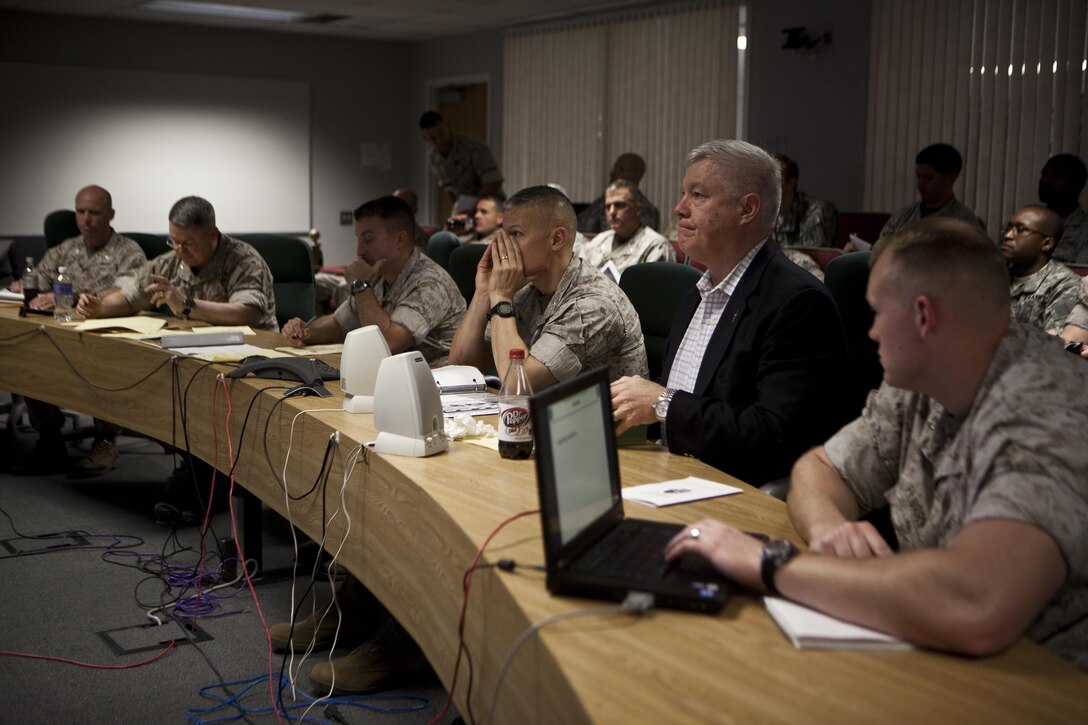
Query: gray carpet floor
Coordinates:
[73,597]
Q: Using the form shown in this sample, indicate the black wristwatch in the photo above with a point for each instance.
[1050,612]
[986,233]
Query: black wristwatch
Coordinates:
[359,285]
[187,307]
[776,554]
[502,309]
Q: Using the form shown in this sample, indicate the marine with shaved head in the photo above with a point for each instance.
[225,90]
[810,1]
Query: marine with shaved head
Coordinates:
[1043,291]
[533,293]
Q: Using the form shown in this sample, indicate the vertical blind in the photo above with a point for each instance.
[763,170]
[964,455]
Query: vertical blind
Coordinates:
[1001,80]
[575,98]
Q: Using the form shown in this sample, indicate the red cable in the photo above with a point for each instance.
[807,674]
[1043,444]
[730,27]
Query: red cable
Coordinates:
[242,556]
[77,663]
[464,610]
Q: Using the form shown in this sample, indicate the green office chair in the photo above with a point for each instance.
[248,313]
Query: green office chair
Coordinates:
[440,246]
[846,277]
[655,290]
[292,267]
[60,225]
[463,263]
[152,244]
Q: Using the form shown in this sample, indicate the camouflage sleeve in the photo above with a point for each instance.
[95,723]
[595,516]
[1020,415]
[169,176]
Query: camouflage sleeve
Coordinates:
[1079,314]
[585,327]
[866,452]
[661,251]
[47,269]
[132,286]
[249,281]
[424,307]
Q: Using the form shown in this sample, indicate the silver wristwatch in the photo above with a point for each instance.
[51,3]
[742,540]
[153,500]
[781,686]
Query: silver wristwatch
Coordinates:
[661,405]
[359,285]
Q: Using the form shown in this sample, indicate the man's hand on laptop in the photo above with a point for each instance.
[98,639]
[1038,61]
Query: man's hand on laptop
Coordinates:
[633,399]
[731,551]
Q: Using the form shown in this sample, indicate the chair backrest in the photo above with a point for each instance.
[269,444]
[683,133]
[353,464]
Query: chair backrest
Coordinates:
[440,246]
[655,290]
[866,225]
[463,263]
[60,225]
[820,255]
[846,278]
[152,244]
[291,262]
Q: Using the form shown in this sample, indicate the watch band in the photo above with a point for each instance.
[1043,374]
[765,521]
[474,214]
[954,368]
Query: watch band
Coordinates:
[776,554]
[661,405]
[187,308]
[502,309]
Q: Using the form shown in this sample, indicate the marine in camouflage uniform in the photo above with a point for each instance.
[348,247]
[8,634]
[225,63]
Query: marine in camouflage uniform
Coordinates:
[466,169]
[1015,455]
[1045,299]
[91,270]
[423,299]
[587,322]
[645,246]
[807,222]
[236,273]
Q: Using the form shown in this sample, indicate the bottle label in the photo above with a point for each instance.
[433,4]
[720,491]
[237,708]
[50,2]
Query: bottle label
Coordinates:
[62,288]
[515,424]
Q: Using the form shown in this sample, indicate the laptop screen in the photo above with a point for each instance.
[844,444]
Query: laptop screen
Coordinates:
[576,454]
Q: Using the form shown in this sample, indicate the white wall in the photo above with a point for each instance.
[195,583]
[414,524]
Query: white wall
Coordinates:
[244,141]
[358,93]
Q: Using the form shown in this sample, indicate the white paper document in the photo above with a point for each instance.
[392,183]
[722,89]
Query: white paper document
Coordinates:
[7,295]
[138,323]
[227,353]
[681,490]
[809,629]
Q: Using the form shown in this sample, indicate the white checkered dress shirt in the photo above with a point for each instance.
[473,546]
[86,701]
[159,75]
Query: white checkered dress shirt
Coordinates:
[689,356]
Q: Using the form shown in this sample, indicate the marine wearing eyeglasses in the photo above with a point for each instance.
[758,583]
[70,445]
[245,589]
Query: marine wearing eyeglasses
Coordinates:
[205,275]
[1043,291]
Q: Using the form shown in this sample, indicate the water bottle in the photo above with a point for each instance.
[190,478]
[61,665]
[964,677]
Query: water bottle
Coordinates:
[30,281]
[62,296]
[515,425]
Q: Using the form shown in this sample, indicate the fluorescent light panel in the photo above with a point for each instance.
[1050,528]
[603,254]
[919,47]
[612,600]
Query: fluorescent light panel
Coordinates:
[221,10]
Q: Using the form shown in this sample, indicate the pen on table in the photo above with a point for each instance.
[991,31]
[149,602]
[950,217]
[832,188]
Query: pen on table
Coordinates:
[304,326]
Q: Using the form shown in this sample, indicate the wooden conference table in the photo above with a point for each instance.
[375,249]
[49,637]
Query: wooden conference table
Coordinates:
[416,523]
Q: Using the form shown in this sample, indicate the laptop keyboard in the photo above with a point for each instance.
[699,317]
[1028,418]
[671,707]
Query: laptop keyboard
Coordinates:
[629,551]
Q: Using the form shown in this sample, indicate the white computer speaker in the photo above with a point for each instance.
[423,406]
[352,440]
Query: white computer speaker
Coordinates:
[408,408]
[364,350]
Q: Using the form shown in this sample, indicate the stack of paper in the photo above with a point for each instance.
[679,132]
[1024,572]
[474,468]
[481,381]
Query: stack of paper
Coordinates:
[809,629]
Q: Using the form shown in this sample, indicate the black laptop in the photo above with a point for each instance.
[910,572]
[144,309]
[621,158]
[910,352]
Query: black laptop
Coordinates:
[590,549]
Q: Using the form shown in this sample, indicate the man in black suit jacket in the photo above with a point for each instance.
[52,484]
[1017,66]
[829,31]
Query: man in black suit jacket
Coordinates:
[754,368]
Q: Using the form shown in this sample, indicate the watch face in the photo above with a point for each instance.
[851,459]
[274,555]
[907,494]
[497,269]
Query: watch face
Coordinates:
[504,309]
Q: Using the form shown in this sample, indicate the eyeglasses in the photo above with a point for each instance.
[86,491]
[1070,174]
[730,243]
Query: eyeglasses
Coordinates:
[1020,229]
[184,246]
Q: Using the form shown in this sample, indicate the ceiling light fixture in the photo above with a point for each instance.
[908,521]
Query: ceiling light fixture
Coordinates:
[222,10]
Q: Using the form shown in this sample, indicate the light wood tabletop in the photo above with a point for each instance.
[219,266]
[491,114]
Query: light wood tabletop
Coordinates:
[410,528]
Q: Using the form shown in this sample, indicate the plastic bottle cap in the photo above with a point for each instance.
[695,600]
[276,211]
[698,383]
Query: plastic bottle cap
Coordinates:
[517,354]
[61,270]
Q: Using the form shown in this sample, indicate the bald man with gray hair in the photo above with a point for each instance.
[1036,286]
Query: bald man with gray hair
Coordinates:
[753,370]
